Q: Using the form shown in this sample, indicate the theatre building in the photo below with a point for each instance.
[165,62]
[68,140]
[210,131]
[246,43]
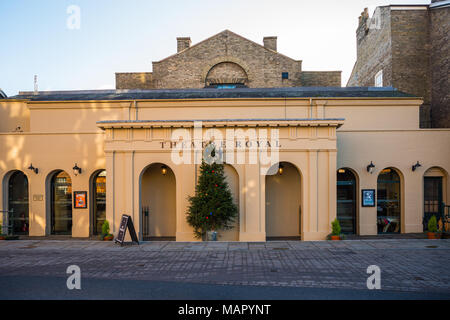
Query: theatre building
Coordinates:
[71,159]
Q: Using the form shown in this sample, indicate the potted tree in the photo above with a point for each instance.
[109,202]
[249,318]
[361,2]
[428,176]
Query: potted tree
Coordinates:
[106,236]
[335,230]
[432,228]
[211,208]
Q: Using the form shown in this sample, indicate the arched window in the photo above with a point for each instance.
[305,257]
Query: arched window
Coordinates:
[18,203]
[226,75]
[388,201]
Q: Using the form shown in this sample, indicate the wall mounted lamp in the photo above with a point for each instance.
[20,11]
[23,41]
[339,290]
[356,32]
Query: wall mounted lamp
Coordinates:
[370,167]
[76,170]
[164,170]
[280,169]
[35,170]
[415,166]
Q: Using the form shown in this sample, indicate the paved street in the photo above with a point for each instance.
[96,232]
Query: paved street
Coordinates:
[410,268]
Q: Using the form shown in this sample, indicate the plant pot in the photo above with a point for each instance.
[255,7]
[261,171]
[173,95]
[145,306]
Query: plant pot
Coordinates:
[335,238]
[211,236]
[433,235]
[108,237]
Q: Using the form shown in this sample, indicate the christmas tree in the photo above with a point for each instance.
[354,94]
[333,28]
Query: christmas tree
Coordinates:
[212,208]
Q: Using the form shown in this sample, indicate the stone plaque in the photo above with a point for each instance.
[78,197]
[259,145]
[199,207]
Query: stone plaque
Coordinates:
[38,197]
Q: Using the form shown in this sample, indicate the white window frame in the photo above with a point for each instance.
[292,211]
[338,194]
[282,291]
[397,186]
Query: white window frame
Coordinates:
[379,79]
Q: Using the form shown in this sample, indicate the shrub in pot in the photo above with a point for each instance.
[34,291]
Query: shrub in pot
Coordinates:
[106,236]
[335,230]
[2,236]
[432,228]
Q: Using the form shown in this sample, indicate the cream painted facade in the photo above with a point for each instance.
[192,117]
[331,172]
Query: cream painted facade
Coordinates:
[317,136]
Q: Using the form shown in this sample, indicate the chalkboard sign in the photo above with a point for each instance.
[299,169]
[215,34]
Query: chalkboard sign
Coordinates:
[126,223]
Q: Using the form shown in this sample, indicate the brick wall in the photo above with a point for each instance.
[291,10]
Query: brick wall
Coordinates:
[134,80]
[373,51]
[410,52]
[411,57]
[440,66]
[321,78]
[190,68]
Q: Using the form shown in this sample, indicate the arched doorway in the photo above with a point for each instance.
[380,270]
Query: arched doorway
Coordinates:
[434,194]
[98,200]
[232,178]
[388,201]
[158,203]
[283,202]
[18,203]
[60,203]
[346,200]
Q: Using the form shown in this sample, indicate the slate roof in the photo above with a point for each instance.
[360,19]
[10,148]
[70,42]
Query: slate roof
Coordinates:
[211,93]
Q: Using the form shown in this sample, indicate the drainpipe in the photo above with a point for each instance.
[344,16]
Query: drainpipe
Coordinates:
[310,108]
[136,108]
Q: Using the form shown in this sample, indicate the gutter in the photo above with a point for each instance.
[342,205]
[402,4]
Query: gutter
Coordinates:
[440,4]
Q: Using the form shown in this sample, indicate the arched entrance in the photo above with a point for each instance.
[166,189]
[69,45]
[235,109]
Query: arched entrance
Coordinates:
[346,200]
[232,178]
[158,203]
[60,203]
[434,191]
[283,202]
[18,203]
[389,201]
[98,201]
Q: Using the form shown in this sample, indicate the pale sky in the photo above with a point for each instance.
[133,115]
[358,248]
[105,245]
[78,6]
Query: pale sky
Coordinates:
[126,36]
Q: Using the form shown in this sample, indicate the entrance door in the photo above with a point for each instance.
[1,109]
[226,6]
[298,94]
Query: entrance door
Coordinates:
[432,199]
[346,201]
[283,200]
[158,203]
[61,204]
[388,201]
[99,202]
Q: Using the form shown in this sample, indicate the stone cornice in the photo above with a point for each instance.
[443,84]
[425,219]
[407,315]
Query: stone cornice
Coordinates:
[221,123]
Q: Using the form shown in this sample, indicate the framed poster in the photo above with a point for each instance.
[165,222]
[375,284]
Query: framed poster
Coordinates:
[368,198]
[80,199]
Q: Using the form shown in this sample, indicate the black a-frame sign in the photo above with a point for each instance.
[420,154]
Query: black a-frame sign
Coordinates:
[126,223]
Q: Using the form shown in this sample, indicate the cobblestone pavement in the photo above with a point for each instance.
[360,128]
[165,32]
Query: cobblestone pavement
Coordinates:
[406,265]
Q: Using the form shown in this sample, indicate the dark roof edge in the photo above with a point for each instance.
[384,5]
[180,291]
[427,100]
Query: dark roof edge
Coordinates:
[221,120]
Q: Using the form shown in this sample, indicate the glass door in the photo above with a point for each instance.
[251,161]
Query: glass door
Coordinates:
[346,201]
[388,201]
[99,197]
[61,204]
[432,199]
